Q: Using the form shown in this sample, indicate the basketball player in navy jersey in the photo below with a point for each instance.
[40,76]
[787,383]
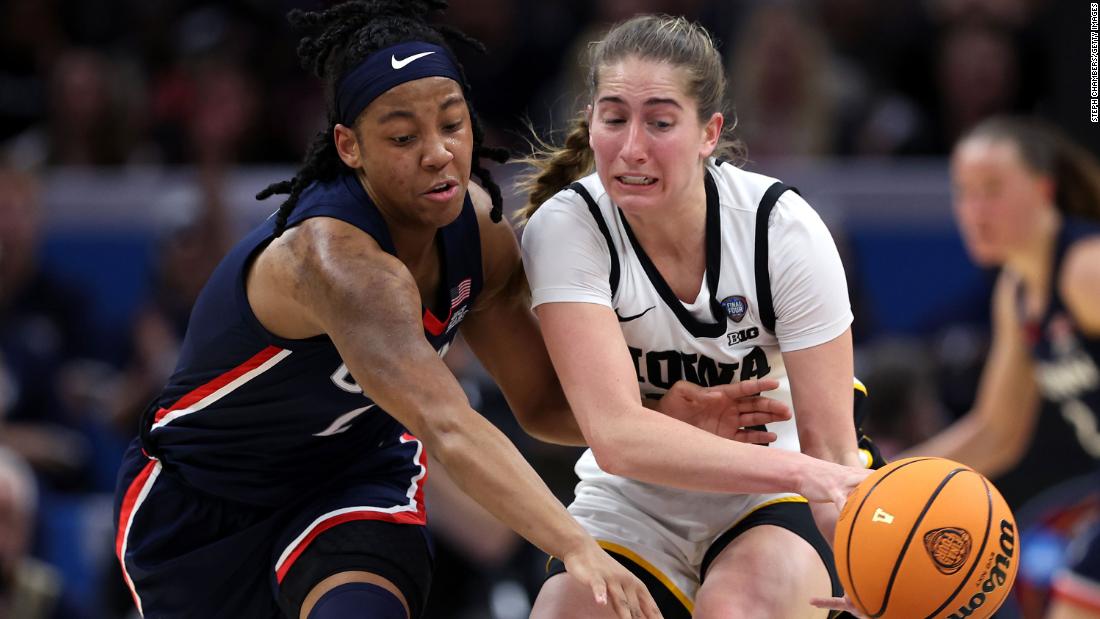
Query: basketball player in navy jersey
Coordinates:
[1028,200]
[280,473]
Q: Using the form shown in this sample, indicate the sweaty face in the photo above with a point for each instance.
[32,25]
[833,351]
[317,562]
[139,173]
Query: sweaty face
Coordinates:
[998,199]
[646,134]
[415,145]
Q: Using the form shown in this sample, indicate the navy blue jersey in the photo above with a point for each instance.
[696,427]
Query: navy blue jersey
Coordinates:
[1066,360]
[261,419]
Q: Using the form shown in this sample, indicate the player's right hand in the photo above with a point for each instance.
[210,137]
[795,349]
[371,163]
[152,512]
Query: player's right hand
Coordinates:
[830,482]
[611,583]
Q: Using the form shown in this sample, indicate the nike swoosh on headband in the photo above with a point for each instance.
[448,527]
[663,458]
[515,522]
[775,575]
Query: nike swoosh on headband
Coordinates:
[401,64]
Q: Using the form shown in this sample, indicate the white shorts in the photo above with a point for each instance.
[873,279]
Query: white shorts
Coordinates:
[672,546]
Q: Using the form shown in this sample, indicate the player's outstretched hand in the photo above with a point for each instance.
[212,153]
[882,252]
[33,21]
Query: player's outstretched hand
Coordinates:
[821,481]
[611,583]
[735,411]
[843,604]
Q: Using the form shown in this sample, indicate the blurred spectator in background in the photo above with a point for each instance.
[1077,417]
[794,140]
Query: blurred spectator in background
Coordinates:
[977,75]
[29,588]
[785,95]
[30,38]
[208,115]
[95,114]
[42,331]
[563,94]
[526,40]
[1013,13]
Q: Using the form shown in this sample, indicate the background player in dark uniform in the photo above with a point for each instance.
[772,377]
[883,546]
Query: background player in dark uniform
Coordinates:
[1028,200]
[279,472]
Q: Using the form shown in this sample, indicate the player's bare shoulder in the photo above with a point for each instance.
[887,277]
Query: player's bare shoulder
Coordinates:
[320,261]
[495,236]
[1079,283]
[500,256]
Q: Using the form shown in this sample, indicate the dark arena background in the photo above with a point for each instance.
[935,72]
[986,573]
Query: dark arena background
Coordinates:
[134,135]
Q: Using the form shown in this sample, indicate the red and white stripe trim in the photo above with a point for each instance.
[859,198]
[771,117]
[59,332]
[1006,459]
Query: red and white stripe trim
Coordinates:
[410,513]
[221,386]
[1076,590]
[135,496]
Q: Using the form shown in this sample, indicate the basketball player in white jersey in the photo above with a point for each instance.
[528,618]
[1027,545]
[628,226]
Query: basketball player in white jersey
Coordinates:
[669,264]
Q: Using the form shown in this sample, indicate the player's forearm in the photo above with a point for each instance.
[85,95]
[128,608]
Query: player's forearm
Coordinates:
[487,467]
[648,446]
[833,440]
[971,441]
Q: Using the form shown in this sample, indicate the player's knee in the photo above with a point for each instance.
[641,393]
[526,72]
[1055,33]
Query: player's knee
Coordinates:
[358,600]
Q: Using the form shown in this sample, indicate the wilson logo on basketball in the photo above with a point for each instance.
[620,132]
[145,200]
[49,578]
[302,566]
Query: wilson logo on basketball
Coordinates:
[1000,572]
[949,548]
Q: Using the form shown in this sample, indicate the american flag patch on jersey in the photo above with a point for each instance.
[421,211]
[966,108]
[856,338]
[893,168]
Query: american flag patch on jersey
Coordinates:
[460,292]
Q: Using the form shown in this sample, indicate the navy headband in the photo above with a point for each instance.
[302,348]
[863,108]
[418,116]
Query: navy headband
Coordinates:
[386,68]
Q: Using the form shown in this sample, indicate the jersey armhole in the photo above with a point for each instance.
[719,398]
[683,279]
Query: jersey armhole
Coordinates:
[594,209]
[760,263]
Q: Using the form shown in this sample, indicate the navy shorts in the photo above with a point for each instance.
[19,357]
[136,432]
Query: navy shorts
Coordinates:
[186,553]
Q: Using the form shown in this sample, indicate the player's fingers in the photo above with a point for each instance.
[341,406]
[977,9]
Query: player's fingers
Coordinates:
[599,591]
[641,602]
[649,607]
[759,418]
[763,404]
[620,602]
[755,436]
[752,386]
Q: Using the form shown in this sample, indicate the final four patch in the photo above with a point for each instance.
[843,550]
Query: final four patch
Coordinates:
[736,306]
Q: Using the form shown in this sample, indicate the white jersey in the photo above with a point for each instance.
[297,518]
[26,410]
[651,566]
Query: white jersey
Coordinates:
[567,259]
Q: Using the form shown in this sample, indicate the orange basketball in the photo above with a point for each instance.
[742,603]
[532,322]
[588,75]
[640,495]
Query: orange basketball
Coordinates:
[926,537]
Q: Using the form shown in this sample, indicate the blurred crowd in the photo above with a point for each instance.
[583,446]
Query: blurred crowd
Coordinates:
[118,82]
[216,85]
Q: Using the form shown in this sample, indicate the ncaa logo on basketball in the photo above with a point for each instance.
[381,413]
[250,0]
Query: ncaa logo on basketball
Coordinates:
[949,548]
[735,307]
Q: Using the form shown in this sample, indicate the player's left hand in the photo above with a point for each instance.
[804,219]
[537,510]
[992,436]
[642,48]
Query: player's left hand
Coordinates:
[735,411]
[843,604]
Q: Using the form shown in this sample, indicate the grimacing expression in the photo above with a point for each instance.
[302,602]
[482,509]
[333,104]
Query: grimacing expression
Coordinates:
[998,198]
[645,131]
[415,145]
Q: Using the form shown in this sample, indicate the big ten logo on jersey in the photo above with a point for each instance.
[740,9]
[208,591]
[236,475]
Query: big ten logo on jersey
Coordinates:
[743,335]
[663,368]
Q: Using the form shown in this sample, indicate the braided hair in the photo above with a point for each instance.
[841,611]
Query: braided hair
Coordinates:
[349,33]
